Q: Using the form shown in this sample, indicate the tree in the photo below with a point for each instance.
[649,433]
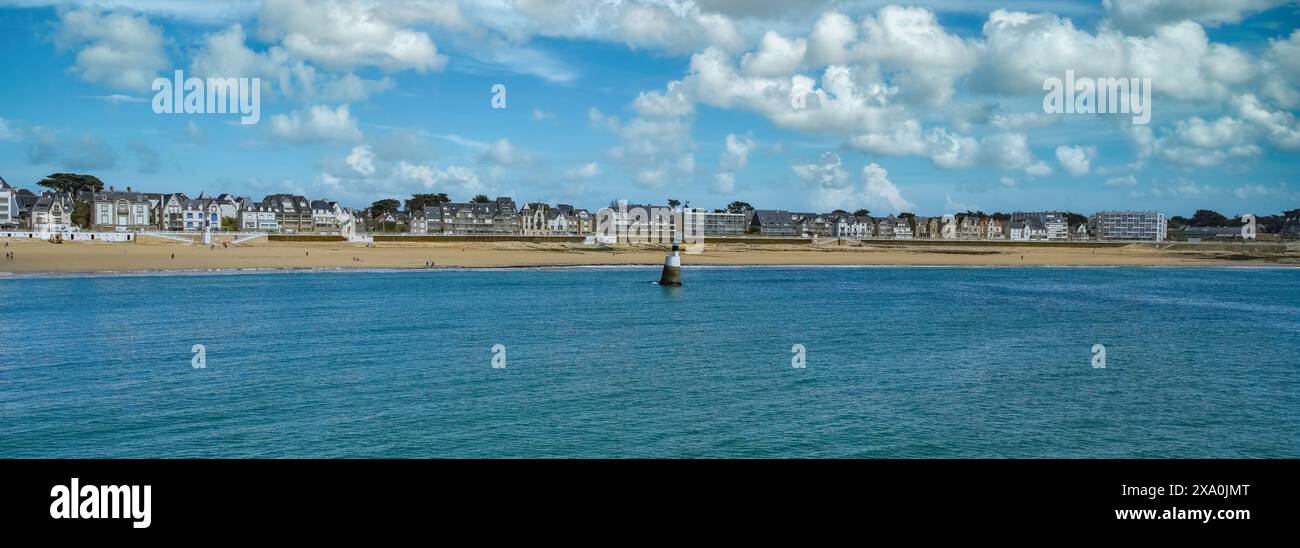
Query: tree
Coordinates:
[862,213]
[739,207]
[423,201]
[229,224]
[482,199]
[839,213]
[81,214]
[906,215]
[1075,219]
[672,204]
[383,207]
[72,182]
[1177,222]
[1206,217]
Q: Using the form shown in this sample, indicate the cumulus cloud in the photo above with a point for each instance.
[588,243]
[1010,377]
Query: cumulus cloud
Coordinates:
[504,153]
[362,160]
[1143,15]
[588,170]
[832,188]
[117,49]
[1075,160]
[348,35]
[735,157]
[318,123]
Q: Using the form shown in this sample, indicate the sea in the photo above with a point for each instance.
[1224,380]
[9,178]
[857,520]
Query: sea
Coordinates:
[750,362]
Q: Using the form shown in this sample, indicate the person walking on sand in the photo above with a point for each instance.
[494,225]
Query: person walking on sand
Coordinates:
[173,256]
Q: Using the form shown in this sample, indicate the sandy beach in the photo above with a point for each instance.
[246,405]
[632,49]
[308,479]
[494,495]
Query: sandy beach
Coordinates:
[40,256]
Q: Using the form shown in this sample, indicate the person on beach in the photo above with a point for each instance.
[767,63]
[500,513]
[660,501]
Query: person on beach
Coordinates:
[173,256]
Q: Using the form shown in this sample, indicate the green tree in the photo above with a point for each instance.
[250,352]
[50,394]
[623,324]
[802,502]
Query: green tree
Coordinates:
[672,204]
[229,224]
[423,201]
[81,214]
[862,213]
[906,215]
[1177,222]
[739,207]
[482,199]
[72,182]
[1207,217]
[387,206]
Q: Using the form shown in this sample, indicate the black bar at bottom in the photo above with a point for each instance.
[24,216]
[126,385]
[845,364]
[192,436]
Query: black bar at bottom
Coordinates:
[227,496]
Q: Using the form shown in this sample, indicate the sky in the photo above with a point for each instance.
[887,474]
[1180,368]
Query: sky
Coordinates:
[929,107]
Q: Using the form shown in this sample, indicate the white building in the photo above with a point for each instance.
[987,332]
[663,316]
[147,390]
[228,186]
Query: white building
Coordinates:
[8,205]
[1129,225]
[902,229]
[850,226]
[1028,230]
[121,211]
[52,213]
[258,217]
[1056,223]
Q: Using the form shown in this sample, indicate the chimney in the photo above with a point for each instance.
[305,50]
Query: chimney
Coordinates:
[110,188]
[128,189]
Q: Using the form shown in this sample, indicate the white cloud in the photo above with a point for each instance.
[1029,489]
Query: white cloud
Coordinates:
[348,35]
[459,180]
[362,160]
[881,191]
[1122,181]
[1142,15]
[832,188]
[1075,160]
[736,154]
[317,124]
[775,56]
[7,134]
[116,49]
[588,170]
[504,153]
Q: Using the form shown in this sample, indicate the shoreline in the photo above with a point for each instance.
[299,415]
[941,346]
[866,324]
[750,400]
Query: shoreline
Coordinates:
[36,258]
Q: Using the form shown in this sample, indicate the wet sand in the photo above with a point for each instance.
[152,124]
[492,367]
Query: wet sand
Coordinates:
[39,256]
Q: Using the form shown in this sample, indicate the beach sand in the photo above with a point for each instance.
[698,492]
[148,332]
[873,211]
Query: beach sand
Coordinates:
[40,256]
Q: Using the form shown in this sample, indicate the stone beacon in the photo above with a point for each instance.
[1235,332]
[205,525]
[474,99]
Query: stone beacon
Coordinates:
[672,268]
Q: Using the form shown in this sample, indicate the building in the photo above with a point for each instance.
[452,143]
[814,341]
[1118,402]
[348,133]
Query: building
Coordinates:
[1129,226]
[1290,224]
[991,229]
[1055,222]
[114,211]
[456,218]
[920,227]
[169,212]
[968,227]
[850,226]
[885,228]
[200,214]
[293,213]
[258,217]
[722,223]
[811,225]
[1028,230]
[325,217]
[8,205]
[902,228]
[52,212]
[771,222]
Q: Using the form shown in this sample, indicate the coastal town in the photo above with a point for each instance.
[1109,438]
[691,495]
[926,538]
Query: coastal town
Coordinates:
[69,204]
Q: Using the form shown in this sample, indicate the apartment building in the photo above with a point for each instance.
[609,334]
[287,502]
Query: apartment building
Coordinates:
[1129,225]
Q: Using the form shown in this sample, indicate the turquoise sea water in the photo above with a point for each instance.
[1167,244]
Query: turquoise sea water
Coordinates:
[600,362]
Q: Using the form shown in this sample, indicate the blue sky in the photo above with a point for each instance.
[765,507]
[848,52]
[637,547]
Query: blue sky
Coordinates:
[931,107]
